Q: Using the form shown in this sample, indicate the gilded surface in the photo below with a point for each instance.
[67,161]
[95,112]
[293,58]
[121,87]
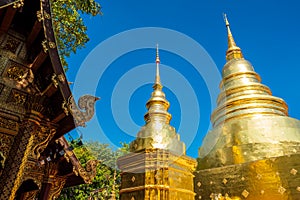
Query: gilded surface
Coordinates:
[18,156]
[33,171]
[157,133]
[42,137]
[8,124]
[5,146]
[17,97]
[156,173]
[32,195]
[252,152]
[249,139]
[12,44]
[15,71]
[267,179]
[157,167]
[89,172]
[56,186]
[21,169]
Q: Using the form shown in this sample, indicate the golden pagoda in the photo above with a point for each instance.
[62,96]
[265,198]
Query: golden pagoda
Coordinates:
[252,151]
[157,167]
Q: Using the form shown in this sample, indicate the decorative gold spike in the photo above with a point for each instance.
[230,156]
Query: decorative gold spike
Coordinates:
[157,83]
[233,50]
[157,133]
[159,111]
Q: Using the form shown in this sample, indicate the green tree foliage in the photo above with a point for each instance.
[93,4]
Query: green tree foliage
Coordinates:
[68,25]
[108,177]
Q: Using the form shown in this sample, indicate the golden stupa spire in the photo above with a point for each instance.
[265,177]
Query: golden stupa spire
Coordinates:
[233,50]
[157,61]
[242,92]
[157,105]
[157,133]
[157,156]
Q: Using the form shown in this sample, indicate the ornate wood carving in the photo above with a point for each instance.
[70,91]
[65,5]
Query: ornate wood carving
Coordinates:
[85,103]
[89,172]
[21,75]
[5,145]
[8,124]
[17,97]
[30,195]
[15,71]
[43,136]
[14,168]
[12,44]
[56,186]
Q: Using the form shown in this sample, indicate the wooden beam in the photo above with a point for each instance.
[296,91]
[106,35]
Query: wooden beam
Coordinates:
[38,61]
[58,118]
[37,27]
[50,90]
[8,18]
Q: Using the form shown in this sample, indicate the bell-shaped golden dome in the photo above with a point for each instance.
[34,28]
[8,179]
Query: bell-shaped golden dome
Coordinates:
[248,120]
[157,133]
[253,149]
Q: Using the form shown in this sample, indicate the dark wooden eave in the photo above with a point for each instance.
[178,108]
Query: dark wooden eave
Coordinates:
[7,20]
[45,63]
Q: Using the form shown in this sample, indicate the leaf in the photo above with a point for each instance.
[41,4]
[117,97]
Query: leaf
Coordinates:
[69,28]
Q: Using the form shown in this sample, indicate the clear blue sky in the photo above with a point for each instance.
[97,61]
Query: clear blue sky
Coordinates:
[119,66]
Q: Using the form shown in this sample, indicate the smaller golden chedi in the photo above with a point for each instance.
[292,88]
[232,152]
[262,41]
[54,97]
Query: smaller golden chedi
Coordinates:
[157,167]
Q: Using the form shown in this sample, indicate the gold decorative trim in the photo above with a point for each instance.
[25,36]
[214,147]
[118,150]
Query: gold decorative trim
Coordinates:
[58,78]
[18,4]
[39,16]
[56,187]
[54,80]
[52,45]
[45,46]
[47,15]
[64,106]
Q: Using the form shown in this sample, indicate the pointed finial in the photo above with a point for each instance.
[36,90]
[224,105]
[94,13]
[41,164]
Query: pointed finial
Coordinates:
[226,20]
[157,105]
[233,50]
[157,54]
[157,76]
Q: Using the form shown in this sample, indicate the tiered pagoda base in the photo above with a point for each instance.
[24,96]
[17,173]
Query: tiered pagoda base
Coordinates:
[156,174]
[275,178]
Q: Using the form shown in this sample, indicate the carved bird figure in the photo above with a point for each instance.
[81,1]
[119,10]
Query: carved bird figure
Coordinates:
[85,109]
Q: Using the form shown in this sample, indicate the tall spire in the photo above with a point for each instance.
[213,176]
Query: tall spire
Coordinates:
[157,159]
[157,83]
[157,133]
[233,50]
[157,61]
[157,105]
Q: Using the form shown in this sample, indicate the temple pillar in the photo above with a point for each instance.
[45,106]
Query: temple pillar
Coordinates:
[53,183]
[14,168]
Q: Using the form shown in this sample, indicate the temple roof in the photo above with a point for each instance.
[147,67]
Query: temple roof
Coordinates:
[33,71]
